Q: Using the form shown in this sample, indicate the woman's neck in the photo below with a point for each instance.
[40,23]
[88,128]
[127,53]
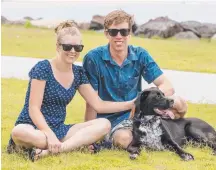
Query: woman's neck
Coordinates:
[61,66]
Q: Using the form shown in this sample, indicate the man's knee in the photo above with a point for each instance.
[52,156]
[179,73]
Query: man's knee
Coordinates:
[122,137]
[104,124]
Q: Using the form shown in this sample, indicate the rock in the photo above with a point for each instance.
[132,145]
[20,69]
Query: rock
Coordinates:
[161,27]
[134,27]
[84,25]
[186,35]
[17,22]
[192,29]
[28,18]
[97,22]
[4,20]
[213,38]
[204,30]
[45,23]
[40,18]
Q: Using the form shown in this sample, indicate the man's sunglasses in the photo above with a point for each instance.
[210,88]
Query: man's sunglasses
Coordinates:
[68,47]
[114,32]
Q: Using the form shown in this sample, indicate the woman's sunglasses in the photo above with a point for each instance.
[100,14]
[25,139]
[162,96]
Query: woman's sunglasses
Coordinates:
[114,32]
[68,47]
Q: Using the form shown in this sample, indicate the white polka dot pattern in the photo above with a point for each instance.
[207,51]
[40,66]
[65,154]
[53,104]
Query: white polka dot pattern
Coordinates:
[55,99]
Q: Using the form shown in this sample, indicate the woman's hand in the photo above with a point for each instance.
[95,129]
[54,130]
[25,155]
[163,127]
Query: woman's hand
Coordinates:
[54,145]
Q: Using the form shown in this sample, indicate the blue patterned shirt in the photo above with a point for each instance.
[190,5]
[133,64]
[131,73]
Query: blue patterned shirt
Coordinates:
[119,83]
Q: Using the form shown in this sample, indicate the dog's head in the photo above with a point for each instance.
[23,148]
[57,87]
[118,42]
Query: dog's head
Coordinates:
[152,101]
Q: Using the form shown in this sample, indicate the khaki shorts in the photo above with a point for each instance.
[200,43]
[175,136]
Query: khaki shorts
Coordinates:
[125,124]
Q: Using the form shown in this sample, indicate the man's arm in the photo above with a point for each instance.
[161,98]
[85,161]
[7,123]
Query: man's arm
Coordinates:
[180,105]
[152,73]
[164,85]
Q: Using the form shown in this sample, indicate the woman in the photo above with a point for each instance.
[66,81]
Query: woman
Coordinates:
[51,87]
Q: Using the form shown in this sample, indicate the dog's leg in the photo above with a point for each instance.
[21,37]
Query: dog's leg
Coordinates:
[134,149]
[167,138]
[203,133]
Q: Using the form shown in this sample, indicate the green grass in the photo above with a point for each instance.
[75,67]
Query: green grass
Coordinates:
[187,55]
[13,94]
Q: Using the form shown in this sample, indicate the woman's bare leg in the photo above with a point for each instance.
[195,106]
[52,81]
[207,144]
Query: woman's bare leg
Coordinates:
[83,134]
[27,136]
[92,132]
[79,135]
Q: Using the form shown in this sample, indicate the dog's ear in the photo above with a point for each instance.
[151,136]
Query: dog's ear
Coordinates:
[137,101]
[144,95]
[137,105]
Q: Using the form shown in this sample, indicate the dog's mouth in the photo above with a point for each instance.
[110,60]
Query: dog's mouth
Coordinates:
[165,113]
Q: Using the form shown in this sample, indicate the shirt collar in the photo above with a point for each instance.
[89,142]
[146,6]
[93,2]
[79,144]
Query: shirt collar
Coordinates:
[131,54]
[106,53]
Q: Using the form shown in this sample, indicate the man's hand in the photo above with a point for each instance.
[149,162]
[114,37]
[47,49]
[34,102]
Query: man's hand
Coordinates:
[132,113]
[180,107]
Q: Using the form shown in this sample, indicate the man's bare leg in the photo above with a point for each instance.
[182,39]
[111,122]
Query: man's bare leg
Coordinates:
[122,138]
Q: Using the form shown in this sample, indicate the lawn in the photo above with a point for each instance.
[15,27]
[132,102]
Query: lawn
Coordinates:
[187,55]
[13,94]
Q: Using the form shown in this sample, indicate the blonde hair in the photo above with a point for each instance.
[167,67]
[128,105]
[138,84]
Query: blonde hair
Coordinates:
[118,17]
[69,27]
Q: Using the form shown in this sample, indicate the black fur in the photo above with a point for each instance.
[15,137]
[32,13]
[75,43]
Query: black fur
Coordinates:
[150,130]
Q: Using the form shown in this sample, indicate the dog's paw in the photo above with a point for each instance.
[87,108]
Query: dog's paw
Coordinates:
[187,157]
[214,153]
[133,156]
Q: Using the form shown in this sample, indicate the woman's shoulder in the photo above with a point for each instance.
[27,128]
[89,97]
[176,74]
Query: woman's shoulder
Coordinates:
[42,65]
[80,74]
[40,69]
[78,67]
[78,70]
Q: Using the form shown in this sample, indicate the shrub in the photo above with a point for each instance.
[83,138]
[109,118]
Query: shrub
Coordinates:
[28,24]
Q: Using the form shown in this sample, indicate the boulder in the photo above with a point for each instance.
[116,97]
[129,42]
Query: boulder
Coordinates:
[134,27]
[84,25]
[97,22]
[160,27]
[204,30]
[17,22]
[46,23]
[213,38]
[28,18]
[40,18]
[186,35]
[4,20]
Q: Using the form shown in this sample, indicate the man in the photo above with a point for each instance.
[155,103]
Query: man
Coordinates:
[115,72]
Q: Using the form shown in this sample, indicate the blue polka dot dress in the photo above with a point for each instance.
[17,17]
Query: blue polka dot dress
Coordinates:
[55,98]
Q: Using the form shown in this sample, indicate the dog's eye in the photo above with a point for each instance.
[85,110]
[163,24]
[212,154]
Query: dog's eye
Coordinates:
[158,96]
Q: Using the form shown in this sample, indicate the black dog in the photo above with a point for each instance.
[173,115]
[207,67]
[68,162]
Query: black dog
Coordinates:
[151,130]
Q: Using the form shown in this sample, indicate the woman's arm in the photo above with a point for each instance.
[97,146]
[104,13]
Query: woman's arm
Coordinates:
[35,102]
[100,106]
